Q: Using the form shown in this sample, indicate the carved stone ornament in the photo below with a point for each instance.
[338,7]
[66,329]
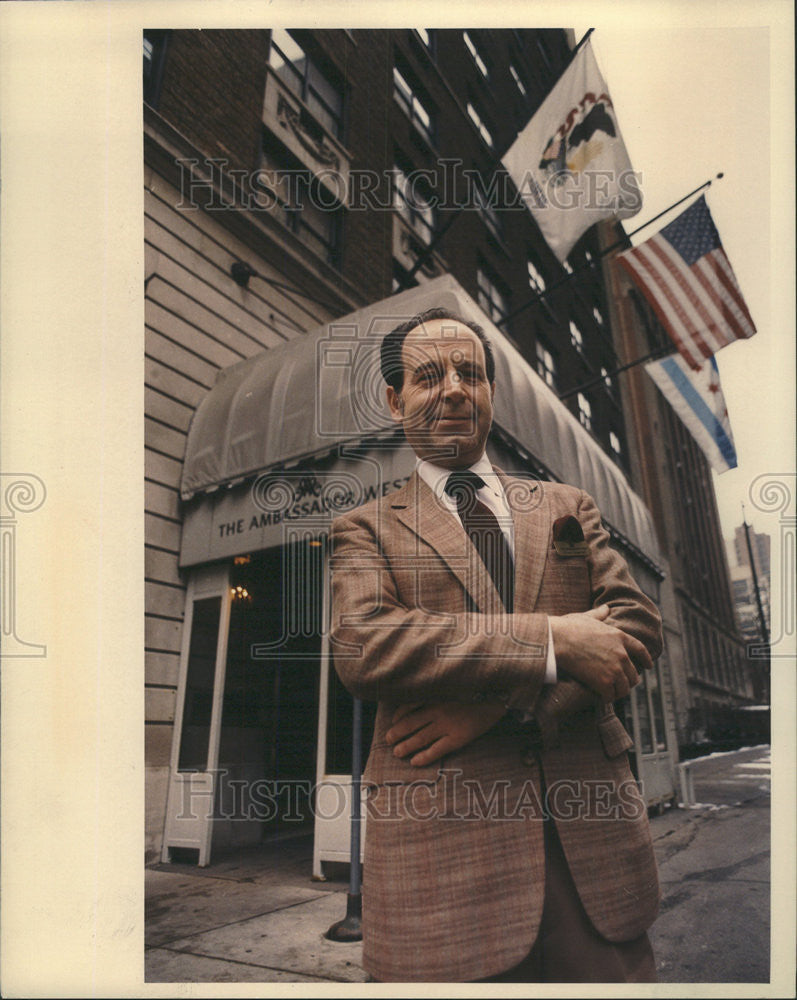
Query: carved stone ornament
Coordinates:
[320,150]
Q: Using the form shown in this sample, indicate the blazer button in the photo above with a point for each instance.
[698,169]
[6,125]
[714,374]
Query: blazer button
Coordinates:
[529,757]
[478,696]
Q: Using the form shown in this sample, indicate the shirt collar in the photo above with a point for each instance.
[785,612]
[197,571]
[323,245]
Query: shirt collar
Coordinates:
[435,476]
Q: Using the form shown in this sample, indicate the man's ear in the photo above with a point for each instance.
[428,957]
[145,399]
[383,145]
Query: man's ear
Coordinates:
[396,404]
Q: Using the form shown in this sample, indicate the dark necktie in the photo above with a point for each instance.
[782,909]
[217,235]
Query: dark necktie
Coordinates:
[482,527]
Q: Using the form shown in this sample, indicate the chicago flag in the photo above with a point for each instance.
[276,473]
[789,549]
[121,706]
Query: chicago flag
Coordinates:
[696,396]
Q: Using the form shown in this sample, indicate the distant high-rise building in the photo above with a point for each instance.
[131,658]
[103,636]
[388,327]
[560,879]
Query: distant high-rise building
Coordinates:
[760,546]
[751,597]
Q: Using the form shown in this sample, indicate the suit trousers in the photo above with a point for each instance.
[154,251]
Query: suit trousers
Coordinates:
[568,949]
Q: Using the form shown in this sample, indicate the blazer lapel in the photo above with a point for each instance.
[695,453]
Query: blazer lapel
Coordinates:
[418,509]
[532,519]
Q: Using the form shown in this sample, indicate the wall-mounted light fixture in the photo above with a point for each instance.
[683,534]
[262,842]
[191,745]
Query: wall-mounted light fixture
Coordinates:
[241,272]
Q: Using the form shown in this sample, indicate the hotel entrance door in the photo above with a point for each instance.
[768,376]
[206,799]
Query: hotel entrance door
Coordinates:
[268,728]
[244,755]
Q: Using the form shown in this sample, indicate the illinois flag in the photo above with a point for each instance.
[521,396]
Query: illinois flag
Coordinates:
[570,163]
[686,276]
[696,396]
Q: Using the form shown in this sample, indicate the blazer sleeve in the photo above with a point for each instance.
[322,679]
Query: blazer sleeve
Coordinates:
[631,610]
[384,650]
[612,584]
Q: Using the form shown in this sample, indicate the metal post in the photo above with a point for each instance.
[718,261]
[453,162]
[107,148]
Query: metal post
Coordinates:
[762,622]
[687,782]
[350,928]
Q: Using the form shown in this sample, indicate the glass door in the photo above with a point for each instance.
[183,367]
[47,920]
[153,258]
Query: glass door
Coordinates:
[197,727]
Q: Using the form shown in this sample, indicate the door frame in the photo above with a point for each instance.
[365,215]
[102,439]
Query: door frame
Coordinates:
[197,789]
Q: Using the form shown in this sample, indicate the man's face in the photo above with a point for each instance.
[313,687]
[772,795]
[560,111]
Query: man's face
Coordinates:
[446,402]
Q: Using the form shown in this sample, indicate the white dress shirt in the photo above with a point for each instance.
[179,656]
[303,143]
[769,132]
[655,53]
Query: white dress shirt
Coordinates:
[491,495]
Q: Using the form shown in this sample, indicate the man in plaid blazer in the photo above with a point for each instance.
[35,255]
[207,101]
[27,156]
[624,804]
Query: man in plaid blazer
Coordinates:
[506,838]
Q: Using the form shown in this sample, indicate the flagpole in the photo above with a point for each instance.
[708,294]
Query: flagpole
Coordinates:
[580,46]
[565,68]
[655,218]
[660,352]
[604,253]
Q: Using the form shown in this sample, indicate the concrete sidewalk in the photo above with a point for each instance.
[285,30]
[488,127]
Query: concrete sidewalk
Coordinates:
[257,916]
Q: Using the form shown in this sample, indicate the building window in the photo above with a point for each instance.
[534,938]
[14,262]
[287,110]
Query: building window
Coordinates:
[413,204]
[297,199]
[607,379]
[598,316]
[536,280]
[491,218]
[575,337]
[425,36]
[546,365]
[614,444]
[492,299]
[154,57]
[471,46]
[516,77]
[584,411]
[317,227]
[401,278]
[300,74]
[412,106]
[542,48]
[478,121]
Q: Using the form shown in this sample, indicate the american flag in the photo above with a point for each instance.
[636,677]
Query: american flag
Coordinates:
[688,280]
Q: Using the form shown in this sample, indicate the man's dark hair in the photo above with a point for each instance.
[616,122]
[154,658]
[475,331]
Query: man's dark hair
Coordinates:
[391,362]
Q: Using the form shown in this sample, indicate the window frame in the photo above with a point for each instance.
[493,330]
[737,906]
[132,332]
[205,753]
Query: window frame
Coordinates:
[576,337]
[584,411]
[295,217]
[476,55]
[308,92]
[424,228]
[486,297]
[158,40]
[536,279]
[477,120]
[489,216]
[426,38]
[545,364]
[521,86]
[616,450]
[405,95]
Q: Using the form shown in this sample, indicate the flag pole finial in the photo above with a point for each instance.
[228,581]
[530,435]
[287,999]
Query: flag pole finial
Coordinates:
[581,43]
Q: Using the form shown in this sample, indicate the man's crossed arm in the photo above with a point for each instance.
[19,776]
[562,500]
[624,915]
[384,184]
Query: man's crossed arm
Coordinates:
[604,660]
